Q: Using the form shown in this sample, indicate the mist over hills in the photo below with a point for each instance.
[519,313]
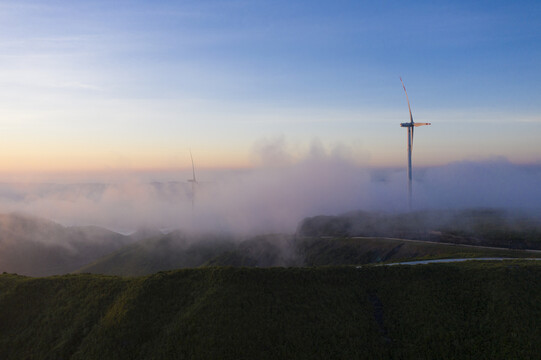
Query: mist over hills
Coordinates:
[124,206]
[178,250]
[262,251]
[352,239]
[296,305]
[174,250]
[40,247]
[275,195]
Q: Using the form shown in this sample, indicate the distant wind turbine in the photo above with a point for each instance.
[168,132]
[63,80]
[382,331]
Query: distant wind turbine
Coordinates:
[193,180]
[411,126]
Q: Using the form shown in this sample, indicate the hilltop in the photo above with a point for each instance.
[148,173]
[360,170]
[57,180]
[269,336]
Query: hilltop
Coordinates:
[459,311]
[484,227]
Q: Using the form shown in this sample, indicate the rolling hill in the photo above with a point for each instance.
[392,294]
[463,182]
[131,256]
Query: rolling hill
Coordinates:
[485,227]
[163,252]
[39,247]
[172,251]
[445,311]
[177,250]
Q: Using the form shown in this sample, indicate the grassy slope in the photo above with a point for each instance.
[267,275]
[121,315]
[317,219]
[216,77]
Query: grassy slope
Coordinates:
[331,240]
[164,253]
[473,310]
[356,251]
[488,227]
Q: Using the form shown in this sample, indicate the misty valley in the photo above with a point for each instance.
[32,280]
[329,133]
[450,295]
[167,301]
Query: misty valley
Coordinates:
[85,292]
[241,268]
[35,246]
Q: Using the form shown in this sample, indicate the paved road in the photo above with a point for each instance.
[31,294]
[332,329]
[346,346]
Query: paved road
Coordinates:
[422,262]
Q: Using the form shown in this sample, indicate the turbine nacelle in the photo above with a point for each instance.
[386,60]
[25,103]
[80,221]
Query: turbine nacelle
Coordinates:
[408,124]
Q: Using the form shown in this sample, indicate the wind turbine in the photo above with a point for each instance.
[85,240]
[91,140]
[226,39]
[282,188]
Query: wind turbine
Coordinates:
[193,180]
[411,126]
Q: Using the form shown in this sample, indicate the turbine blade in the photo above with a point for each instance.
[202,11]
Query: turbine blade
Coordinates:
[421,124]
[407,98]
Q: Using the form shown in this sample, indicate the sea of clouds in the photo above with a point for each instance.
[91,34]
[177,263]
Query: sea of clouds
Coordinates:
[277,193]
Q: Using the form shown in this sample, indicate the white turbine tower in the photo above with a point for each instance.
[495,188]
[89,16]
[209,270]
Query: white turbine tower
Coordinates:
[411,126]
[193,180]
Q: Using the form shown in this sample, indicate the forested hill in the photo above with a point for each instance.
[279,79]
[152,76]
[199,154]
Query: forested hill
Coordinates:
[445,311]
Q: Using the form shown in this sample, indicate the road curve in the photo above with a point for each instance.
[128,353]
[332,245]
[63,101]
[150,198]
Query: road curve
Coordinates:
[445,243]
[423,262]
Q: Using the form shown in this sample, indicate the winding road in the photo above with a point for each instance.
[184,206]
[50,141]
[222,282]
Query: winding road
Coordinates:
[446,243]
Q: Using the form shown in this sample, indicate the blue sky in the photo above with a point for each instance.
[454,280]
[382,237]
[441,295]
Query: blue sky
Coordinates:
[101,85]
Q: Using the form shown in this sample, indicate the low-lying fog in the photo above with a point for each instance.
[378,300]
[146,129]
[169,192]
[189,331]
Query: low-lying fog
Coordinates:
[275,195]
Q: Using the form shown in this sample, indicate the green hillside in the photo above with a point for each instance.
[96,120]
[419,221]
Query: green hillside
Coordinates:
[487,227]
[39,247]
[261,251]
[176,250]
[166,252]
[445,311]
[360,251]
